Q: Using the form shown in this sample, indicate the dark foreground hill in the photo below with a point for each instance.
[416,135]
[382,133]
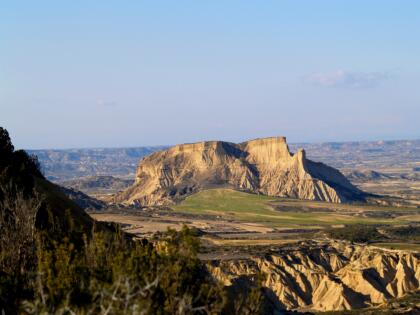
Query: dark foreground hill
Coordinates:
[23,186]
[54,259]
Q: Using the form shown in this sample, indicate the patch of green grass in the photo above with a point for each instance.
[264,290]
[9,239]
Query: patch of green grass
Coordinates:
[241,206]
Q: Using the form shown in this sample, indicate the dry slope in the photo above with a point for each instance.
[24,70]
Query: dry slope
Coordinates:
[263,166]
[328,276]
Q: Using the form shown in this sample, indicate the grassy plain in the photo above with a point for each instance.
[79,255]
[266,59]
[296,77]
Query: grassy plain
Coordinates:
[281,212]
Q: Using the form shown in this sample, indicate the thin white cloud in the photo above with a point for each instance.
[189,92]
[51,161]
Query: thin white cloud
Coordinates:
[348,79]
[103,103]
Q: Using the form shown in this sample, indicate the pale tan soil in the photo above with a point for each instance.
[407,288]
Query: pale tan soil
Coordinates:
[146,225]
[248,242]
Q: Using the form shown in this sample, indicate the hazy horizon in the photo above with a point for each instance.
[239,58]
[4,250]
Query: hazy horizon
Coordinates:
[173,144]
[103,75]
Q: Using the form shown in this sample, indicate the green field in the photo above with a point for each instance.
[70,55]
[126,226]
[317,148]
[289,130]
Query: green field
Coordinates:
[241,206]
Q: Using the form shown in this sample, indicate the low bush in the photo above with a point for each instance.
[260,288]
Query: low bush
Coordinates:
[112,275]
[356,233]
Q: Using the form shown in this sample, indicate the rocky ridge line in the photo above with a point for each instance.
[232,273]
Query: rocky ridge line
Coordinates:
[328,276]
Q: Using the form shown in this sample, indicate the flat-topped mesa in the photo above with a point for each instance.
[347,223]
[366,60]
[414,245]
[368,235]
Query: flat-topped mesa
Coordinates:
[266,150]
[263,166]
[199,146]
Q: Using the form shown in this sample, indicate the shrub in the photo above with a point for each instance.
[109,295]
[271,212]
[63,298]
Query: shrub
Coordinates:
[356,233]
[112,275]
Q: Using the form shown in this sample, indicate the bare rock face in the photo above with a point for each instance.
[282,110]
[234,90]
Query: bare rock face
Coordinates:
[328,277]
[263,166]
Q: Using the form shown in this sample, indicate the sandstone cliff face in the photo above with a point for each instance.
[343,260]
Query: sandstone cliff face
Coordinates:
[263,166]
[324,277]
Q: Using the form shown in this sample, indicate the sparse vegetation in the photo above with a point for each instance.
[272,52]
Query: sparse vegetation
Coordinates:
[411,232]
[356,233]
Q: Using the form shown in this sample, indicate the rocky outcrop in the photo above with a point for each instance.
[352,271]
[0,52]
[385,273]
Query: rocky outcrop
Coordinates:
[263,166]
[328,276]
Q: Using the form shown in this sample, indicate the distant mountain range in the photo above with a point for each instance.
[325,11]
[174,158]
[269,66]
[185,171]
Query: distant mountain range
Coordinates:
[63,165]
[102,184]
[371,155]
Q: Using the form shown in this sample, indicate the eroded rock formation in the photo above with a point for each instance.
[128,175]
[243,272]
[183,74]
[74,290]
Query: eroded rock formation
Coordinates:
[329,276]
[263,166]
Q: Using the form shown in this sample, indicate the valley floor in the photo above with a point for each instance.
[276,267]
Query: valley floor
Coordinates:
[242,234]
[232,219]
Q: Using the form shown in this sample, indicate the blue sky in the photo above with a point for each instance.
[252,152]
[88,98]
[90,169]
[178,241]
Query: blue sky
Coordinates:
[131,73]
